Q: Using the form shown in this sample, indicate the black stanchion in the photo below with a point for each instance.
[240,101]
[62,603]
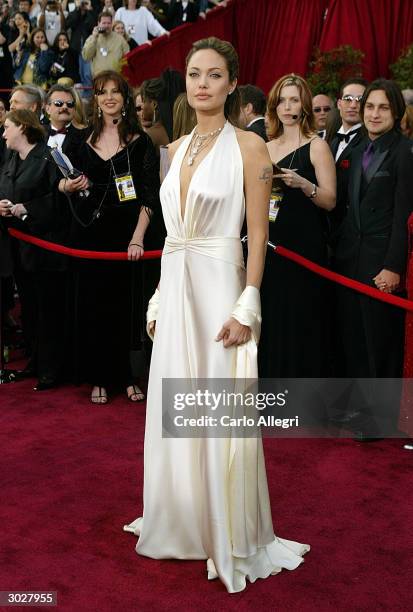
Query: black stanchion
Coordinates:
[6,376]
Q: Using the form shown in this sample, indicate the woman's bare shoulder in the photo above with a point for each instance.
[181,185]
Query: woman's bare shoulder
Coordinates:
[174,146]
[251,144]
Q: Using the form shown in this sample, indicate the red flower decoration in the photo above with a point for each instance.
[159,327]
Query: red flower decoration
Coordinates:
[345,163]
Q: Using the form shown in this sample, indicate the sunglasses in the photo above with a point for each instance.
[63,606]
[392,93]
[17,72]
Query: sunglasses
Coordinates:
[138,108]
[350,98]
[60,103]
[318,109]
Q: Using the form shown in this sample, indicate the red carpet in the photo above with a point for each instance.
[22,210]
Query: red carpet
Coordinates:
[72,476]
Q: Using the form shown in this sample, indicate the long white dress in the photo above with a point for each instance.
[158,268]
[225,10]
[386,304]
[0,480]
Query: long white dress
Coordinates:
[205,498]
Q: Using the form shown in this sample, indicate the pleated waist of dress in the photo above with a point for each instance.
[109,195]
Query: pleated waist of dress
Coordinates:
[225,248]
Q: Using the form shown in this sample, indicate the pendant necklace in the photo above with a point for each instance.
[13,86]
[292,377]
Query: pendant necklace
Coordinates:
[199,142]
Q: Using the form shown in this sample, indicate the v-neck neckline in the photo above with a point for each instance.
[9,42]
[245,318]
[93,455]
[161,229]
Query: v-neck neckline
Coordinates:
[181,162]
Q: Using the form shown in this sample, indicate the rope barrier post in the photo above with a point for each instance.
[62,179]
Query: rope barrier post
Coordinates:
[6,376]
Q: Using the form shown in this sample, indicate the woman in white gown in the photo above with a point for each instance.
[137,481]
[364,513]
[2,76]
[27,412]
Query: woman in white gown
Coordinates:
[207,498]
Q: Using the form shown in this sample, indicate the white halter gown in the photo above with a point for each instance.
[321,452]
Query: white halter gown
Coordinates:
[205,498]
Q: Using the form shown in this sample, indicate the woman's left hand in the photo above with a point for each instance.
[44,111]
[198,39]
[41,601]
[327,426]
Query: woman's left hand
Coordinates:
[233,333]
[18,210]
[135,252]
[290,178]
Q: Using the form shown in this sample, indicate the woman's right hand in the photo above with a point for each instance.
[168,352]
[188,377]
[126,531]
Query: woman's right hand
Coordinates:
[78,184]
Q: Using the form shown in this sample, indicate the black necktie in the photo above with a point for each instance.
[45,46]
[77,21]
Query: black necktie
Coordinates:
[367,157]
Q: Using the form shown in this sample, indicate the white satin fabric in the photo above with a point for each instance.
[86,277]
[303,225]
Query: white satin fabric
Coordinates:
[207,498]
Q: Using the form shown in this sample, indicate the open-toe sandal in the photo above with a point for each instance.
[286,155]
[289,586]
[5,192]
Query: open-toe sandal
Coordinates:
[135,394]
[100,397]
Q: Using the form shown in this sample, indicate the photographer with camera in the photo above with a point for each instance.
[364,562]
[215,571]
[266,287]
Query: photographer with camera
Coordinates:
[104,48]
[51,19]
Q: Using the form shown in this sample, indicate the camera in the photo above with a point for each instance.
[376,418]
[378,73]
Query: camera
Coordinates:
[101,30]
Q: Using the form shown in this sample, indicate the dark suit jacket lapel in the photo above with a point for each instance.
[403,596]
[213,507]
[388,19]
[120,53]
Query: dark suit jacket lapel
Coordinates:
[356,183]
[378,159]
[334,146]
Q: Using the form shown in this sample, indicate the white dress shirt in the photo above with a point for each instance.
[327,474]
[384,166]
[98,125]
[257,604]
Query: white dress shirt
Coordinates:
[343,144]
[254,120]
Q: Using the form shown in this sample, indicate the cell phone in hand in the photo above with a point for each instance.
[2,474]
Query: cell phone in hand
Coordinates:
[277,183]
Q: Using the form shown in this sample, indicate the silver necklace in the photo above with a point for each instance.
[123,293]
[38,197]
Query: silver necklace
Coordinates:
[199,142]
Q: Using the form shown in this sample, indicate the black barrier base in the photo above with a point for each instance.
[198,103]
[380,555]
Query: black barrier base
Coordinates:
[8,376]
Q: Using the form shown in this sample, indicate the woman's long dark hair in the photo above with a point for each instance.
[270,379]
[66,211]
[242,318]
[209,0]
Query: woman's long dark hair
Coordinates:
[129,125]
[56,41]
[164,91]
[232,106]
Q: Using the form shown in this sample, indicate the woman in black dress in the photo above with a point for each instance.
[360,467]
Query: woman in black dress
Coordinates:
[294,313]
[29,201]
[122,168]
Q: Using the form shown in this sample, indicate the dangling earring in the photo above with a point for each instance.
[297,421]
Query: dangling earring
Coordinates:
[123,112]
[99,112]
[154,114]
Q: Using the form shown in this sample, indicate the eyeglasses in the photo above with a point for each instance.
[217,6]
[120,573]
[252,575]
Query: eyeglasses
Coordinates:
[318,109]
[60,103]
[138,108]
[350,98]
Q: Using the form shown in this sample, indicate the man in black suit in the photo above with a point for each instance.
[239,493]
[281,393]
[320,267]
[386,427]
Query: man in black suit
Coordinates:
[60,107]
[372,248]
[253,107]
[347,138]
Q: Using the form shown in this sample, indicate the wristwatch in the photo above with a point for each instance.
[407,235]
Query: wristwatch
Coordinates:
[314,191]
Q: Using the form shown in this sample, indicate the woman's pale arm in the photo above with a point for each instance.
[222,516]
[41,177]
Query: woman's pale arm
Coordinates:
[136,245]
[325,171]
[257,189]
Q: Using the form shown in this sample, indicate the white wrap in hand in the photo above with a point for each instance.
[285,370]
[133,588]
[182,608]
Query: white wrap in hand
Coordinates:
[152,312]
[247,310]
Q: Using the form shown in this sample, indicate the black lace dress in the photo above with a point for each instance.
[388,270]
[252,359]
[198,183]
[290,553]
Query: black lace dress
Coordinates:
[107,295]
[294,311]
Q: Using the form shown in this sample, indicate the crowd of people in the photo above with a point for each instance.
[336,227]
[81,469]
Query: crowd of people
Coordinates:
[43,41]
[341,198]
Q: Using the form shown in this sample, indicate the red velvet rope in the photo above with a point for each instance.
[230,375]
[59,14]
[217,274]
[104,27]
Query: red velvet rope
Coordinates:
[280,250]
[344,280]
[82,254]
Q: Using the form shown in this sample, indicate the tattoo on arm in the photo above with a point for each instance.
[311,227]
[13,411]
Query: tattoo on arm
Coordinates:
[266,174]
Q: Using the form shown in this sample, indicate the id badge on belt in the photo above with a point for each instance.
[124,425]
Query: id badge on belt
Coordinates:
[275,202]
[125,188]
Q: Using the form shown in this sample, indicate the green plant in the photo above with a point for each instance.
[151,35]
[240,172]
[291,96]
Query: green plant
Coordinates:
[328,70]
[402,69]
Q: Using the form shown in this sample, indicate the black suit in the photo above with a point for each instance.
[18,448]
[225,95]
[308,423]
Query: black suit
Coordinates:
[373,237]
[259,128]
[343,163]
[73,139]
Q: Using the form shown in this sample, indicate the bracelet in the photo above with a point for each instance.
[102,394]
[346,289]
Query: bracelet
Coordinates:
[136,244]
[314,191]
